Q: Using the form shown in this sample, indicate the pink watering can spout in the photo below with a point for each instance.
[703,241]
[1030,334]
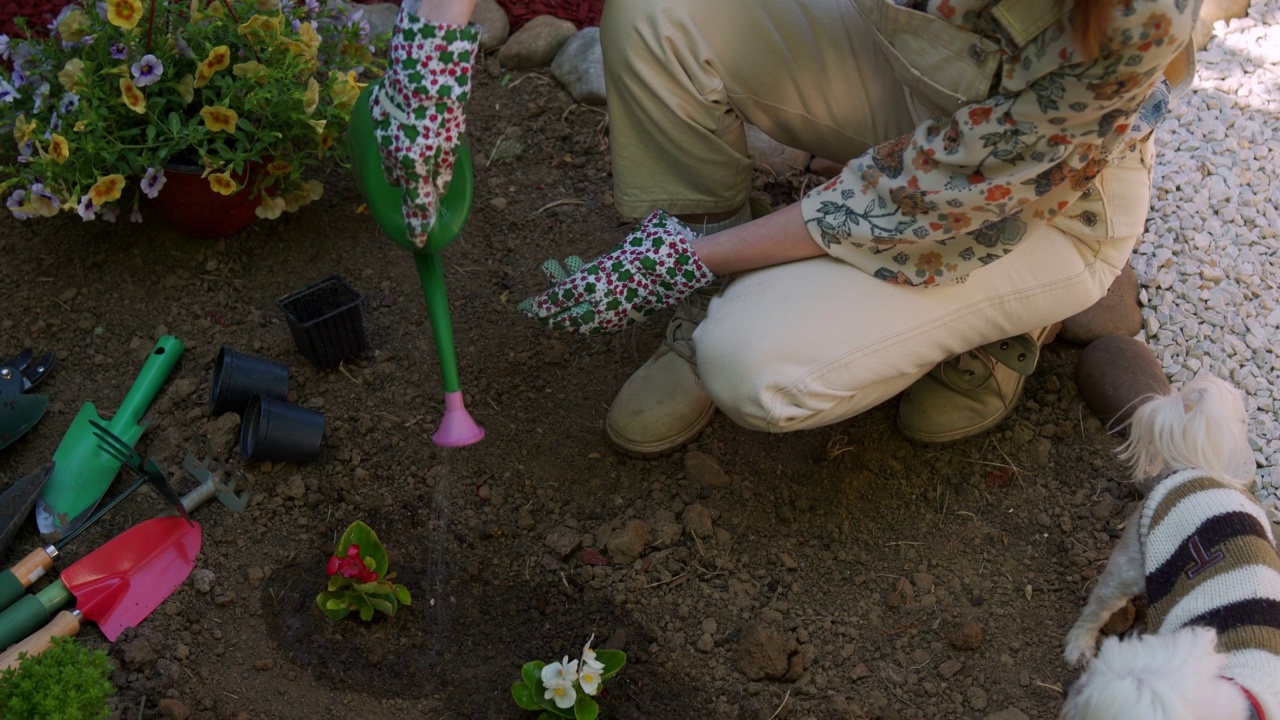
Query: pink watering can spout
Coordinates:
[456,428]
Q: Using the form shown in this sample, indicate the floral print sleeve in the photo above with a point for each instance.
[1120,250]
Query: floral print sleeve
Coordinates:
[418,112]
[958,193]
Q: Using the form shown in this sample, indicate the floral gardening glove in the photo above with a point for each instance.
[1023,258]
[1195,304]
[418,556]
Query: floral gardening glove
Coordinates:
[418,112]
[653,269]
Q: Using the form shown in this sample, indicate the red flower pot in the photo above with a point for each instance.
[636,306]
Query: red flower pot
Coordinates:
[193,208]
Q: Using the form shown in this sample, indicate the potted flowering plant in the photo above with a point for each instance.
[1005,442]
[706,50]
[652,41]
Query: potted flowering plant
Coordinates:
[120,95]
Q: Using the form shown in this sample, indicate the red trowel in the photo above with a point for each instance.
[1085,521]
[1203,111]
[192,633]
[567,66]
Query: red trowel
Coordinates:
[115,586]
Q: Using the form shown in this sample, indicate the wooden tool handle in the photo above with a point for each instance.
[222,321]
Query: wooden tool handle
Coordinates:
[15,581]
[64,624]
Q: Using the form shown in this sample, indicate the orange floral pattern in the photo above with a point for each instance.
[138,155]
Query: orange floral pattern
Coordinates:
[932,206]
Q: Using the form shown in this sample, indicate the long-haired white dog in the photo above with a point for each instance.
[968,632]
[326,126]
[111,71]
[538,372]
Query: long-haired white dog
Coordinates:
[1202,550]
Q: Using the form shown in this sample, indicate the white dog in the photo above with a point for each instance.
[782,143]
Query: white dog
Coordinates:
[1202,550]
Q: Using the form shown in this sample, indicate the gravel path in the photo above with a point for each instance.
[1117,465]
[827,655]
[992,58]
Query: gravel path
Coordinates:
[1210,260]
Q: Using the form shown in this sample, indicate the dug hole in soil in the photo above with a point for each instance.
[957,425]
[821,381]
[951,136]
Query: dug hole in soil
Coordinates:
[836,573]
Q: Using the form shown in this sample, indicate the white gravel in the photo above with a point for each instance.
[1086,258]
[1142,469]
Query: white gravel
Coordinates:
[1210,259]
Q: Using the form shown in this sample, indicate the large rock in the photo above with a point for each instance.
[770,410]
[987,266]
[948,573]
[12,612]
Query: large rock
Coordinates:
[1212,11]
[773,155]
[535,45]
[1114,374]
[1117,313]
[495,26]
[579,66]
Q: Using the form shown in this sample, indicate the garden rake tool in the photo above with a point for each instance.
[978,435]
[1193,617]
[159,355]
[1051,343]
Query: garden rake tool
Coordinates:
[82,470]
[18,410]
[15,581]
[116,586]
[385,201]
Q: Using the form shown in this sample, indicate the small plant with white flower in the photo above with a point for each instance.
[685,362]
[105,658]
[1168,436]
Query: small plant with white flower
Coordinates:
[567,688]
[252,93]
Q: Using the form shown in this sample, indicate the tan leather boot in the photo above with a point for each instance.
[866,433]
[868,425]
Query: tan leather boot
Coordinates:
[663,407]
[973,391]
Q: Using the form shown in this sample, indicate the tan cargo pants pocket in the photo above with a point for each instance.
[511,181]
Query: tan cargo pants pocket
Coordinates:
[1116,204]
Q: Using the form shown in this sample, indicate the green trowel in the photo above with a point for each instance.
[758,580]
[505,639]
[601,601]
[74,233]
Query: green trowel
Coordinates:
[82,470]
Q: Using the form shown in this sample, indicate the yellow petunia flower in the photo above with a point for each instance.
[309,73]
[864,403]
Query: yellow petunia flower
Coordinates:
[80,126]
[314,189]
[132,96]
[186,89]
[259,26]
[270,208]
[219,59]
[41,205]
[124,13]
[222,183]
[72,76]
[311,97]
[74,26]
[23,129]
[59,149]
[107,189]
[252,70]
[278,167]
[345,90]
[318,125]
[308,45]
[217,117]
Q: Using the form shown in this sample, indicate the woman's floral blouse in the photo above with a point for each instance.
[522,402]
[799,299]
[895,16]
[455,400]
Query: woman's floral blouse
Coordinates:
[958,193]
[419,112]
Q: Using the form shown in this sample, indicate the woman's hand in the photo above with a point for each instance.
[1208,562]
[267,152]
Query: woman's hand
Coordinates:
[653,269]
[451,12]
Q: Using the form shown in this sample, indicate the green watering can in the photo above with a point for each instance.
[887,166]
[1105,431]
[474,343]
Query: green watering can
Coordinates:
[456,427]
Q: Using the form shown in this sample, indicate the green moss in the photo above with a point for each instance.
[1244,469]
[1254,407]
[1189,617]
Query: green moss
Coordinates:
[65,682]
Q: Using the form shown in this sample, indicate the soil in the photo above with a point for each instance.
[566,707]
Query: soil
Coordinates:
[837,573]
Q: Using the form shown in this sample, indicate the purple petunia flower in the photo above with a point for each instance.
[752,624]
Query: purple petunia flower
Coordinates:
[147,70]
[4,46]
[25,150]
[55,125]
[313,7]
[86,207]
[119,51]
[136,215]
[68,103]
[8,93]
[14,203]
[18,77]
[110,212]
[40,97]
[152,182]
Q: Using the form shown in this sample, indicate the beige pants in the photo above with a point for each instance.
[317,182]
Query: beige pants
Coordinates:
[810,343]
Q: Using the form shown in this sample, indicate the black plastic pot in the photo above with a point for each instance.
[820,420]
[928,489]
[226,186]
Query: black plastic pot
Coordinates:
[237,377]
[273,429]
[326,320]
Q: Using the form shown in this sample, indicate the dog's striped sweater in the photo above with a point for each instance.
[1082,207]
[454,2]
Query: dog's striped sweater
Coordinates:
[1210,560]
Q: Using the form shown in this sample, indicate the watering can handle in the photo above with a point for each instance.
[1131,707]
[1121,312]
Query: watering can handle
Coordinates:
[64,624]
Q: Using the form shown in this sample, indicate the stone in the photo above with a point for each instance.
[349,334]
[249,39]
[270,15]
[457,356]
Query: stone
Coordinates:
[965,635]
[173,709]
[763,653]
[773,156]
[1114,374]
[380,16]
[628,542]
[1121,620]
[704,470]
[666,529]
[697,521]
[579,67]
[563,541]
[535,45]
[1117,313]
[495,26]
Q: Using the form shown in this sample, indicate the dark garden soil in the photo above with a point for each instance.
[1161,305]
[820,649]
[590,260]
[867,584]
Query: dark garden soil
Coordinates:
[837,573]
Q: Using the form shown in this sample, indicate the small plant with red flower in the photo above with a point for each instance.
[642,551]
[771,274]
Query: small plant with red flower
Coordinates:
[358,578]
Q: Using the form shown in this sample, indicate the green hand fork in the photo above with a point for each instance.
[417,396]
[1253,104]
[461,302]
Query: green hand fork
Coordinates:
[456,427]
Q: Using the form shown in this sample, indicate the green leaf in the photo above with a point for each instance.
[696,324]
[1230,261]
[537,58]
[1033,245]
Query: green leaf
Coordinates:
[585,708]
[524,696]
[402,594]
[370,547]
[613,660]
[532,673]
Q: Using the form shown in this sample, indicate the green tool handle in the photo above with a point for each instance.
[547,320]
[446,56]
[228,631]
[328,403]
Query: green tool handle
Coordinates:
[32,612]
[431,274]
[159,365]
[11,588]
[15,580]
